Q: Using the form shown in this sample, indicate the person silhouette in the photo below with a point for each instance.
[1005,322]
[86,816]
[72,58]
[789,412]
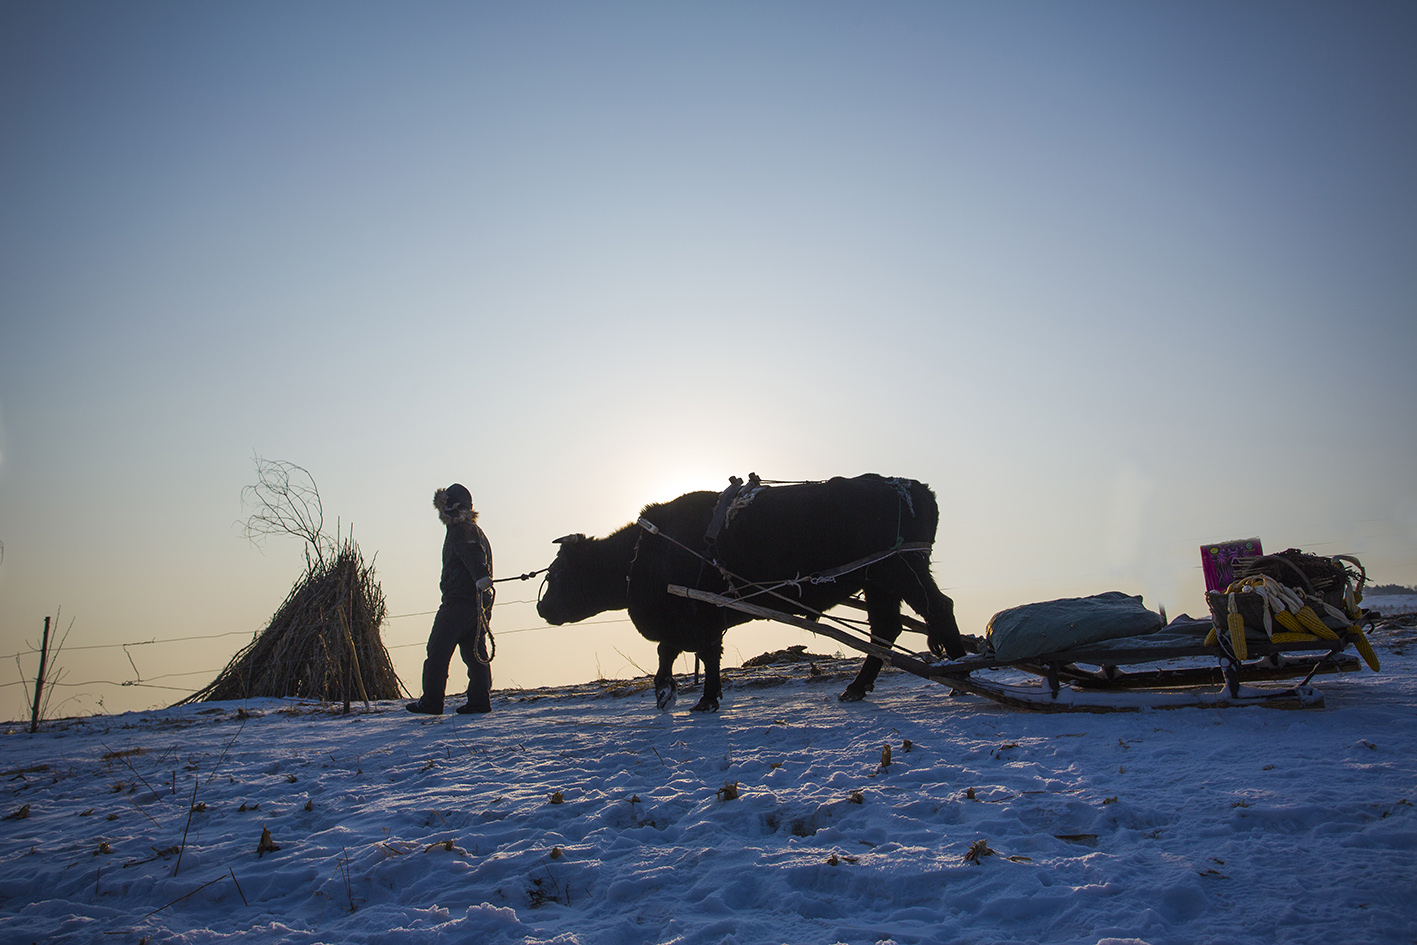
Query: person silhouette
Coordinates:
[464,619]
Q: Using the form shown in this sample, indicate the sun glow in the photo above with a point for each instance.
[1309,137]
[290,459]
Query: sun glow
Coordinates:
[672,483]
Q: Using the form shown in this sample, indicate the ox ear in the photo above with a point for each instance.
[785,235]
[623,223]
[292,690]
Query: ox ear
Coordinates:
[569,539]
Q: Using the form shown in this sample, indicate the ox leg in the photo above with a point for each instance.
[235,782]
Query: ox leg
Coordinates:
[944,631]
[883,611]
[665,688]
[919,590]
[713,683]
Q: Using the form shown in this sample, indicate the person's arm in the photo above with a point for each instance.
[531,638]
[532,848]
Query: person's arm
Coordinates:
[473,557]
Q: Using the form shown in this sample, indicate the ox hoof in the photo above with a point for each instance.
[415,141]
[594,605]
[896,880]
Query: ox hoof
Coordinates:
[706,705]
[851,695]
[665,697]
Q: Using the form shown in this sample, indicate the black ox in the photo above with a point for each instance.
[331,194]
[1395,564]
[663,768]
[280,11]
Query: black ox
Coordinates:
[765,535]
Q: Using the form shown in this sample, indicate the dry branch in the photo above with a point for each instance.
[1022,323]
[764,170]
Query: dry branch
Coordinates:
[287,502]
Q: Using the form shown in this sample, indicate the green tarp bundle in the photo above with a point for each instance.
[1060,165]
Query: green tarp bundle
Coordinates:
[1056,625]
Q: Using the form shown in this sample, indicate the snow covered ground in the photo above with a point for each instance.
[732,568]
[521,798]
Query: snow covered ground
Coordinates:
[587,817]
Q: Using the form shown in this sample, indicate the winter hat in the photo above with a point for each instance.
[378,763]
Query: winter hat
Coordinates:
[457,497]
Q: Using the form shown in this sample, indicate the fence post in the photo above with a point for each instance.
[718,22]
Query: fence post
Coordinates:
[39,680]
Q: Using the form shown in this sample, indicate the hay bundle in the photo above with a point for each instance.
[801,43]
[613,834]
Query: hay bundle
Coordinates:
[323,642]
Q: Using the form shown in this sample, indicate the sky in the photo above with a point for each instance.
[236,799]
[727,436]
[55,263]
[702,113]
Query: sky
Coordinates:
[1117,280]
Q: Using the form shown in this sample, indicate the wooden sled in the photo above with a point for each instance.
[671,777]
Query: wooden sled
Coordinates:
[1092,678]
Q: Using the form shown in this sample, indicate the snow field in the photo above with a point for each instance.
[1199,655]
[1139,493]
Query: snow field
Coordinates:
[579,818]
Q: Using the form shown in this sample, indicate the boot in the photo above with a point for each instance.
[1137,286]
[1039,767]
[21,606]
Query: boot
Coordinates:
[425,708]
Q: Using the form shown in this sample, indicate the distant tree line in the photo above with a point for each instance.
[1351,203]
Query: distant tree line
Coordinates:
[1389,590]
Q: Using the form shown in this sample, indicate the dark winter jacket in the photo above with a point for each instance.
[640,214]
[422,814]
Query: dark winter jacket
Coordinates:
[467,560]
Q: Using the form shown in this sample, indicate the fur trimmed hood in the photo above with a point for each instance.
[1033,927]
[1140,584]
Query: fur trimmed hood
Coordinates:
[456,515]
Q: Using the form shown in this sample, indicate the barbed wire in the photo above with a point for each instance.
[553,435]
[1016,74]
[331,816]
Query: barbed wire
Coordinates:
[115,646]
[236,633]
[149,682]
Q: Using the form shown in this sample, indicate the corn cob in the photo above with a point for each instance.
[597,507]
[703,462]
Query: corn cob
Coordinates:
[1311,622]
[1364,648]
[1236,624]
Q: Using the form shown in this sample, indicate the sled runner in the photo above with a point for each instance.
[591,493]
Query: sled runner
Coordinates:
[1258,632]
[1171,668]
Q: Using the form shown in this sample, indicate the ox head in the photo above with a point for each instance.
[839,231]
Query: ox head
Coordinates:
[585,579]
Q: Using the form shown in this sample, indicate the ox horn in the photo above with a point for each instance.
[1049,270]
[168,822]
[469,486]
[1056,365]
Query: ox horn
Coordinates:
[569,539]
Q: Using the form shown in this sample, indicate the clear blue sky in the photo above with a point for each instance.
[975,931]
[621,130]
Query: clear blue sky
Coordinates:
[1116,279]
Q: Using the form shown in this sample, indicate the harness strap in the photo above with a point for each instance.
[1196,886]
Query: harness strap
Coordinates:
[821,577]
[720,513]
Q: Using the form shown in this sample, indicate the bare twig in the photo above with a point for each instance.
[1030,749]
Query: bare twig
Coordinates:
[191,809]
[286,502]
[643,671]
[121,756]
[182,898]
[238,886]
[344,870]
[224,751]
[143,812]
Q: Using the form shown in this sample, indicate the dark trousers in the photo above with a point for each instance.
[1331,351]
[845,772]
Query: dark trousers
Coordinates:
[456,627]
